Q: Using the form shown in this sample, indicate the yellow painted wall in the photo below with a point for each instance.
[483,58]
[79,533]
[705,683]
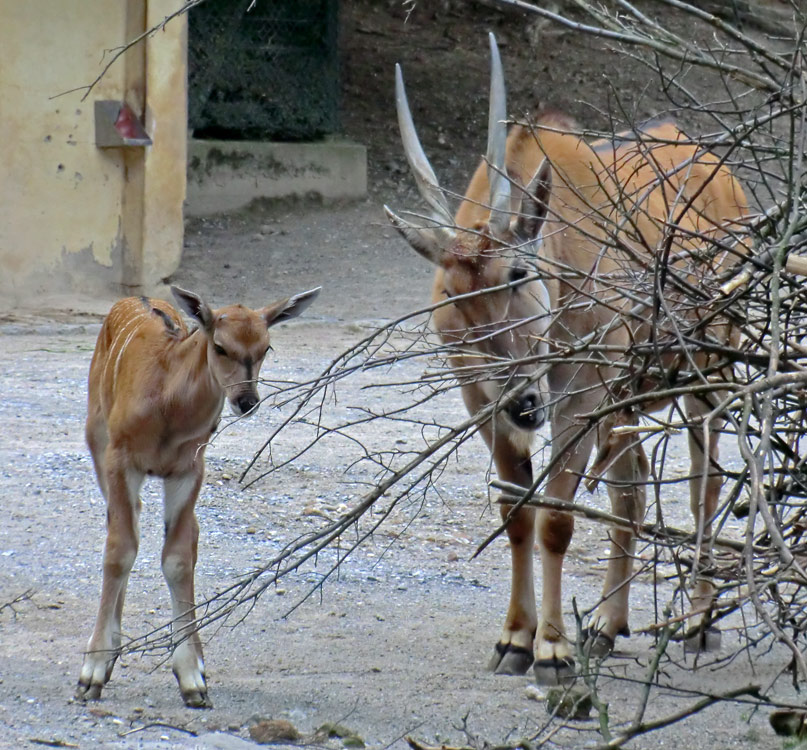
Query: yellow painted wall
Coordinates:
[167,122]
[76,219]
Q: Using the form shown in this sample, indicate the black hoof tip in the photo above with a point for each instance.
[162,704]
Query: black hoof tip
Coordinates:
[554,671]
[510,660]
[598,645]
[86,693]
[197,699]
[703,640]
[516,661]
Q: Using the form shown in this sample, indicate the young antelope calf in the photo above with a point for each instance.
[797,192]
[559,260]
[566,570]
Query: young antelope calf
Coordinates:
[155,397]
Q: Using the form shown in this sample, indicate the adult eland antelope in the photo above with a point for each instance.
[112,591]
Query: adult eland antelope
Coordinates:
[542,253]
[156,393]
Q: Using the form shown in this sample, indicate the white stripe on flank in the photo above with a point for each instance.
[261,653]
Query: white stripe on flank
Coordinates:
[136,323]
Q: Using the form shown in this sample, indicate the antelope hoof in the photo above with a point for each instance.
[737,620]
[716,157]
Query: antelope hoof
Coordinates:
[510,660]
[193,687]
[706,639]
[93,676]
[197,699]
[554,671]
[598,645]
[88,692]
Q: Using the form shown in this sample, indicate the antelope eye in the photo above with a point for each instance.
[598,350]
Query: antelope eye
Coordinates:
[220,350]
[517,273]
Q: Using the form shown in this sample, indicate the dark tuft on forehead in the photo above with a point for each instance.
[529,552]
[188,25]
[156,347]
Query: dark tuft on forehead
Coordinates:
[476,245]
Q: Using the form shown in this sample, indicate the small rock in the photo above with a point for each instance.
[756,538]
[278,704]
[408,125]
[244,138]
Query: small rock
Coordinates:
[789,722]
[312,510]
[347,736]
[534,693]
[273,730]
[569,702]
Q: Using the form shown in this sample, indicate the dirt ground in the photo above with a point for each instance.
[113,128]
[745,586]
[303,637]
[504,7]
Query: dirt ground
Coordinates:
[398,642]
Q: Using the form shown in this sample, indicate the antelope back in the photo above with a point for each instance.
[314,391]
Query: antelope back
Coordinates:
[130,349]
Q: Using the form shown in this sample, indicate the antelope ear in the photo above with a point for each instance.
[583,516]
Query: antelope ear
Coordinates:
[195,306]
[288,308]
[535,202]
[421,239]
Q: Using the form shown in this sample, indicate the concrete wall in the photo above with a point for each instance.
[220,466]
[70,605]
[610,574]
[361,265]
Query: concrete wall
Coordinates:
[228,175]
[74,218]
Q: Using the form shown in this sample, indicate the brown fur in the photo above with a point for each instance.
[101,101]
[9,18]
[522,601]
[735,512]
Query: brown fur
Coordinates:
[681,200]
[156,393]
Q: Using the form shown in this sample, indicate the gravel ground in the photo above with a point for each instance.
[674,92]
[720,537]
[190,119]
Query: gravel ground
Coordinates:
[395,644]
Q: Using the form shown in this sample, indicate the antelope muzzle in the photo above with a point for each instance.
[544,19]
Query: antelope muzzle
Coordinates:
[527,410]
[244,403]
